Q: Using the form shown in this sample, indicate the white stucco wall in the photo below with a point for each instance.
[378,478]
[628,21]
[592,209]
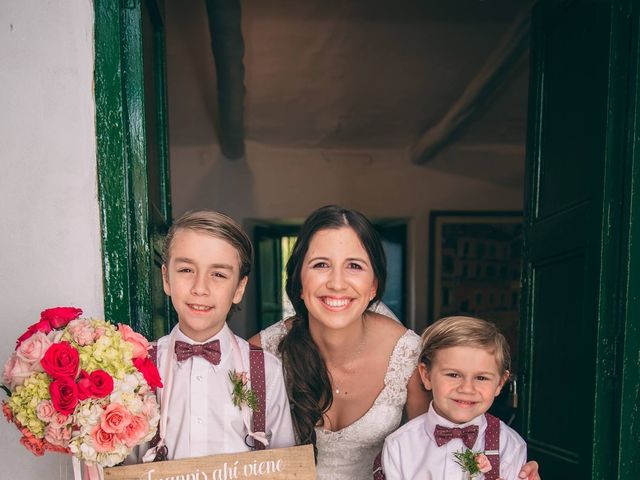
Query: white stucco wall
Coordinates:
[50,242]
[278,184]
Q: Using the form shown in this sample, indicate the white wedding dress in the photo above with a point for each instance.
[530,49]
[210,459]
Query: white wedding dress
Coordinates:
[348,454]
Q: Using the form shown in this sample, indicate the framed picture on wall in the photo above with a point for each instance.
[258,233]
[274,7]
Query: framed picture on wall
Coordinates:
[474,267]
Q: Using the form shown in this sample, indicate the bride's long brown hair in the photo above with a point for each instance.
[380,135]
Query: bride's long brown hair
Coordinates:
[306,376]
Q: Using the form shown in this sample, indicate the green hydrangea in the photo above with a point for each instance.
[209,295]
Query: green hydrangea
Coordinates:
[25,400]
[109,353]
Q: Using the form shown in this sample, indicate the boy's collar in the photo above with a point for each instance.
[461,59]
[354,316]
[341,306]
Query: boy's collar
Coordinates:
[223,334]
[432,419]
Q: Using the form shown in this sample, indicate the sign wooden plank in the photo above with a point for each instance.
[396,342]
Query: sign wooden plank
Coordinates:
[277,464]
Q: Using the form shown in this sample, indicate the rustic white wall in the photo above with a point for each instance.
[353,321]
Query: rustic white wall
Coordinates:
[289,184]
[50,244]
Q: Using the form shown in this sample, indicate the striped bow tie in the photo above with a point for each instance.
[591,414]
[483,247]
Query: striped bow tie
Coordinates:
[210,351]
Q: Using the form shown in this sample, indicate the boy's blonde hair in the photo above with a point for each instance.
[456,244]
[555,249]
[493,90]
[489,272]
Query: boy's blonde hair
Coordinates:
[465,332]
[217,225]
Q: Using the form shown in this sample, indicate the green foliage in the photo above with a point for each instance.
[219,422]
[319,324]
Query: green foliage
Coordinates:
[467,461]
[242,394]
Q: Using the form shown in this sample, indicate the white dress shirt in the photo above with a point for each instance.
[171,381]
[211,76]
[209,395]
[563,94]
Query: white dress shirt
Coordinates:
[411,452]
[202,419]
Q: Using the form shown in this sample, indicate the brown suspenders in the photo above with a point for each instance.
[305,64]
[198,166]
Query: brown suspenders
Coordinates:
[258,384]
[492,446]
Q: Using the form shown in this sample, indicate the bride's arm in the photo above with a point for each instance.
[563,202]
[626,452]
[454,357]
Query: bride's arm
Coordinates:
[255,340]
[417,398]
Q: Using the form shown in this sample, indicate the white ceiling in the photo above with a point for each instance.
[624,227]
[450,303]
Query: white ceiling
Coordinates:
[349,74]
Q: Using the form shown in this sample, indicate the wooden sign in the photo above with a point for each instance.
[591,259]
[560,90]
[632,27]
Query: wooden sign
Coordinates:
[277,464]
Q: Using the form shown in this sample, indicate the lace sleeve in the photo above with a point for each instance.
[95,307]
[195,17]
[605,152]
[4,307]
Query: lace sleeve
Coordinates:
[403,362]
[270,337]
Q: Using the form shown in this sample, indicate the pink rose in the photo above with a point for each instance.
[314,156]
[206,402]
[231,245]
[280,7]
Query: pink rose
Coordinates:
[115,418]
[33,349]
[140,344]
[41,326]
[104,441]
[241,377]
[16,371]
[60,419]
[150,407]
[134,431]
[45,411]
[483,463]
[98,332]
[57,435]
[81,331]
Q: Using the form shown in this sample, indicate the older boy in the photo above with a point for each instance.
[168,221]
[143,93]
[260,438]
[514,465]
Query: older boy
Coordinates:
[206,402]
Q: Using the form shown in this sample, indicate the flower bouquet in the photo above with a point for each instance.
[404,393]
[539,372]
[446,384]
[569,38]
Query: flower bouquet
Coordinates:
[81,386]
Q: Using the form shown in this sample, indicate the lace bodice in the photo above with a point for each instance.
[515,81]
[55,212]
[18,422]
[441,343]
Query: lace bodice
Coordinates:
[348,454]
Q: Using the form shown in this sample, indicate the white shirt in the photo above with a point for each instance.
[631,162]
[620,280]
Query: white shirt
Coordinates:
[202,419]
[411,452]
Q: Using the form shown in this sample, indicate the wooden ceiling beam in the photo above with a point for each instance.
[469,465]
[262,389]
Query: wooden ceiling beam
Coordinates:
[512,47]
[227,45]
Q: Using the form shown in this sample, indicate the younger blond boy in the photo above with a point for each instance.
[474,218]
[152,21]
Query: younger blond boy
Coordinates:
[465,363]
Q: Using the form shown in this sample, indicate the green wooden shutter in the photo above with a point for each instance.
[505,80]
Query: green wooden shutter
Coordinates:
[573,226]
[133,168]
[628,440]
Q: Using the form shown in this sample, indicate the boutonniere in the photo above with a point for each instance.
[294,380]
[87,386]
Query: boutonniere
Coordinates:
[472,462]
[241,393]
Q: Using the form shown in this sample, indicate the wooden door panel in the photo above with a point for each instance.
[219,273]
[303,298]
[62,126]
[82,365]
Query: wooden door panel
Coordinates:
[563,234]
[158,218]
[560,233]
[559,338]
[573,106]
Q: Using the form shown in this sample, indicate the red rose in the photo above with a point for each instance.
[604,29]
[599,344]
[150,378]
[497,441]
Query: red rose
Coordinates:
[58,317]
[41,326]
[84,385]
[101,384]
[49,319]
[61,360]
[98,384]
[64,395]
[149,372]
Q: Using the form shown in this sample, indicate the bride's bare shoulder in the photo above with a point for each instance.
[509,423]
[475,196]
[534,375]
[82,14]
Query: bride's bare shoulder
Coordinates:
[385,326]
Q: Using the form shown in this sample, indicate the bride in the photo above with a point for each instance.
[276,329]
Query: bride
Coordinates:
[350,372]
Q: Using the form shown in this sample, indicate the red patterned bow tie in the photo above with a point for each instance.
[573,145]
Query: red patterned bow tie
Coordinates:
[210,351]
[467,434]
